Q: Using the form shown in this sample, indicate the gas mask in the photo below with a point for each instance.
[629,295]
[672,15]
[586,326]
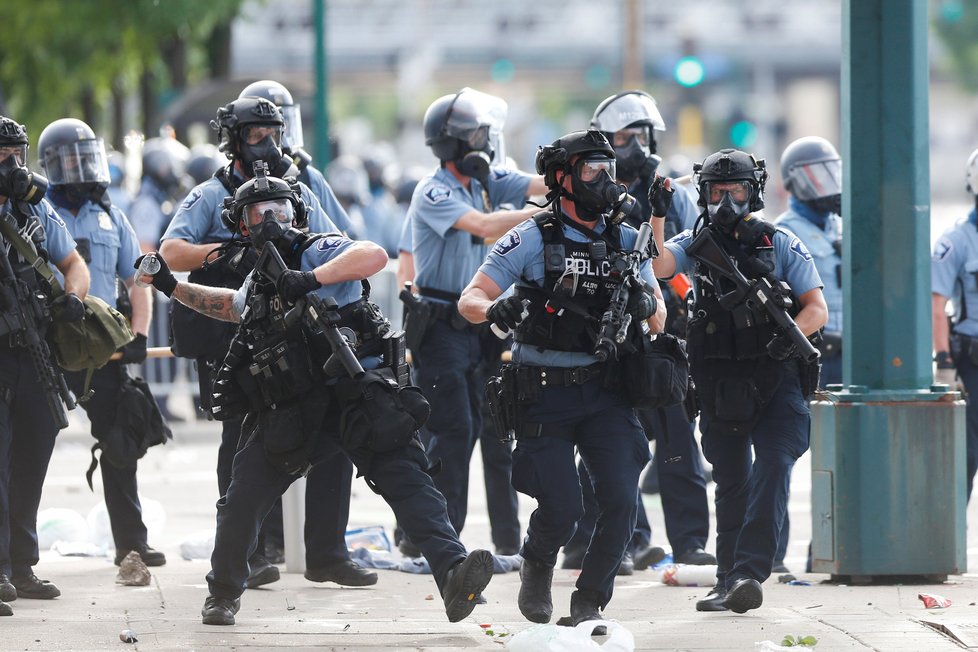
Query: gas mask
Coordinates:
[74,195]
[18,182]
[830,204]
[594,189]
[727,202]
[475,165]
[635,161]
[269,221]
[267,149]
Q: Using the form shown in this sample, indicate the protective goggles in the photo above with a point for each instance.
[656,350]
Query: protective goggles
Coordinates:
[739,191]
[815,180]
[624,136]
[588,170]
[19,152]
[281,210]
[254,134]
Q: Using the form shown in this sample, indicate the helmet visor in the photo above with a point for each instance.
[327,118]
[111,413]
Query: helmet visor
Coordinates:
[815,180]
[84,161]
[256,133]
[590,169]
[19,152]
[292,138]
[473,109]
[627,109]
[739,191]
[281,211]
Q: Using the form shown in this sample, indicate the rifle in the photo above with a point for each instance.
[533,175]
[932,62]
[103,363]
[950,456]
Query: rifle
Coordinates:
[25,316]
[772,294]
[616,319]
[317,312]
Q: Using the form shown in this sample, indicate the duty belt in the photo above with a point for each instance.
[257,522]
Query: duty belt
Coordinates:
[567,376]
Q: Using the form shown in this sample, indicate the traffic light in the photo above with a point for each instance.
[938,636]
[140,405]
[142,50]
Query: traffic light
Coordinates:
[689,71]
[743,134]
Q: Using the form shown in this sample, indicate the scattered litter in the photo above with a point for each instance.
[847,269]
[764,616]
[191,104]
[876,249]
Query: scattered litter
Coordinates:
[933,601]
[799,583]
[485,625]
[787,578]
[128,636]
[132,571]
[77,549]
[372,537]
[59,524]
[543,638]
[429,597]
[689,575]
[289,606]
[198,545]
[347,627]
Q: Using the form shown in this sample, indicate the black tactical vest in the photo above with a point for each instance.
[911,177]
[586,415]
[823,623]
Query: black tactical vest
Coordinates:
[23,271]
[565,313]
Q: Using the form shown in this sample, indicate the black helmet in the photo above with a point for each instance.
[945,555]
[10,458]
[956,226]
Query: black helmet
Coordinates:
[557,156]
[280,96]
[247,119]
[260,194]
[205,159]
[12,133]
[71,154]
[16,180]
[634,111]
[811,169]
[165,162]
[466,121]
[725,167]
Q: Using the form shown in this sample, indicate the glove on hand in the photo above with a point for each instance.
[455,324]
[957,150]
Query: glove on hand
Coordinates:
[781,347]
[660,197]
[67,308]
[163,280]
[292,284]
[135,351]
[506,313]
[945,372]
[641,305]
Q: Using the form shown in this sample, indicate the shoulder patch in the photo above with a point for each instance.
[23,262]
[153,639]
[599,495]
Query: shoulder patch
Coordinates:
[507,243]
[437,193]
[54,217]
[681,238]
[499,173]
[191,199]
[941,250]
[329,242]
[798,247]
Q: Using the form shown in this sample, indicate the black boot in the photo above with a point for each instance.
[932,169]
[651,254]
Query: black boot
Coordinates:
[344,573]
[464,584]
[585,605]
[713,600]
[745,594]
[28,586]
[535,601]
[261,572]
[5,609]
[7,591]
[219,611]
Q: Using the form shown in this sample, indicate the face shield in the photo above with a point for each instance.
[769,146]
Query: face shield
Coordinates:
[627,109]
[78,163]
[727,201]
[477,118]
[268,220]
[816,179]
[292,137]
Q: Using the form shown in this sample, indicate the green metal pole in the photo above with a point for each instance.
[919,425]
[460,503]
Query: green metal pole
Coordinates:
[886,205]
[322,93]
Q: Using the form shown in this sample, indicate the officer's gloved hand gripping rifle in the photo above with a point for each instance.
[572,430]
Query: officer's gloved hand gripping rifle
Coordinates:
[317,313]
[774,295]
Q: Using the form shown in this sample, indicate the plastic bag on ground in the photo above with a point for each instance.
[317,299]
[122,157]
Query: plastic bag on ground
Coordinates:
[553,638]
[60,524]
[198,545]
[100,530]
[372,537]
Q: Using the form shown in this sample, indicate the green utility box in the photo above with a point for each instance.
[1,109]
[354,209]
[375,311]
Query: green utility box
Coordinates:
[888,484]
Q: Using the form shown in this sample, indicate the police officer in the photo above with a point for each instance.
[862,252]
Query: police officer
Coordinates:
[629,121]
[811,170]
[295,400]
[292,142]
[164,165]
[76,165]
[251,130]
[953,265]
[751,385]
[27,426]
[453,211]
[564,294]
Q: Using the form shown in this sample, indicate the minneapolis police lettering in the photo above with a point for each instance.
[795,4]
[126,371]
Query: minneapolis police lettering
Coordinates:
[582,274]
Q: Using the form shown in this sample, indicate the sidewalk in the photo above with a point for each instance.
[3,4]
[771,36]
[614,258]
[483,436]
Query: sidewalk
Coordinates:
[396,614]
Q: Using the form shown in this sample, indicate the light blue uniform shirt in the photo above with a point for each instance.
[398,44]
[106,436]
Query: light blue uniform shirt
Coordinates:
[57,240]
[406,242]
[445,258]
[327,198]
[111,242]
[198,220]
[804,222]
[517,257]
[792,261]
[146,215]
[954,270]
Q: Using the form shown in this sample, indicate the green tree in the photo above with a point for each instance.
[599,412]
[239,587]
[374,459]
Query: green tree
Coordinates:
[956,23]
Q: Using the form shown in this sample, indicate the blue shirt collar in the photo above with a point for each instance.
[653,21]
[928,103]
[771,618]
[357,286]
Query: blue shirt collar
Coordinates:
[809,213]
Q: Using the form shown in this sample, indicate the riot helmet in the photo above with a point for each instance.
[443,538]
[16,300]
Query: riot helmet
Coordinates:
[811,169]
[280,96]
[971,174]
[16,180]
[731,185]
[265,208]
[205,160]
[165,162]
[250,130]
[75,162]
[348,179]
[466,128]
[627,120]
[588,158]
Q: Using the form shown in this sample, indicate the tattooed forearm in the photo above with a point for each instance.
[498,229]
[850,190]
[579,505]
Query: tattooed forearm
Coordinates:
[213,302]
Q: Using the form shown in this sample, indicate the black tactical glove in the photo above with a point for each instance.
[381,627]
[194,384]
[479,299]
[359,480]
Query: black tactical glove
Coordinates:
[244,260]
[67,307]
[135,351]
[163,280]
[641,305]
[506,313]
[292,284]
[781,347]
[660,197]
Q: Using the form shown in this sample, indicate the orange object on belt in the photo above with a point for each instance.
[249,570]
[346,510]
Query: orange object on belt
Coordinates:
[680,284]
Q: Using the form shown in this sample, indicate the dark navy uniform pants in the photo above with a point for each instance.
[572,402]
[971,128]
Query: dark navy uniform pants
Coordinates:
[328,487]
[752,494]
[119,483]
[968,371]
[606,432]
[27,434]
[399,477]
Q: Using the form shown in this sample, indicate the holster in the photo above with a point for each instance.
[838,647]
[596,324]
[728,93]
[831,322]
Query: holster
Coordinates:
[508,395]
[963,346]
[416,323]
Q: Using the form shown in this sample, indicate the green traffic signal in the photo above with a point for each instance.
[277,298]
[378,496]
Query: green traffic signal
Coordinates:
[689,71]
